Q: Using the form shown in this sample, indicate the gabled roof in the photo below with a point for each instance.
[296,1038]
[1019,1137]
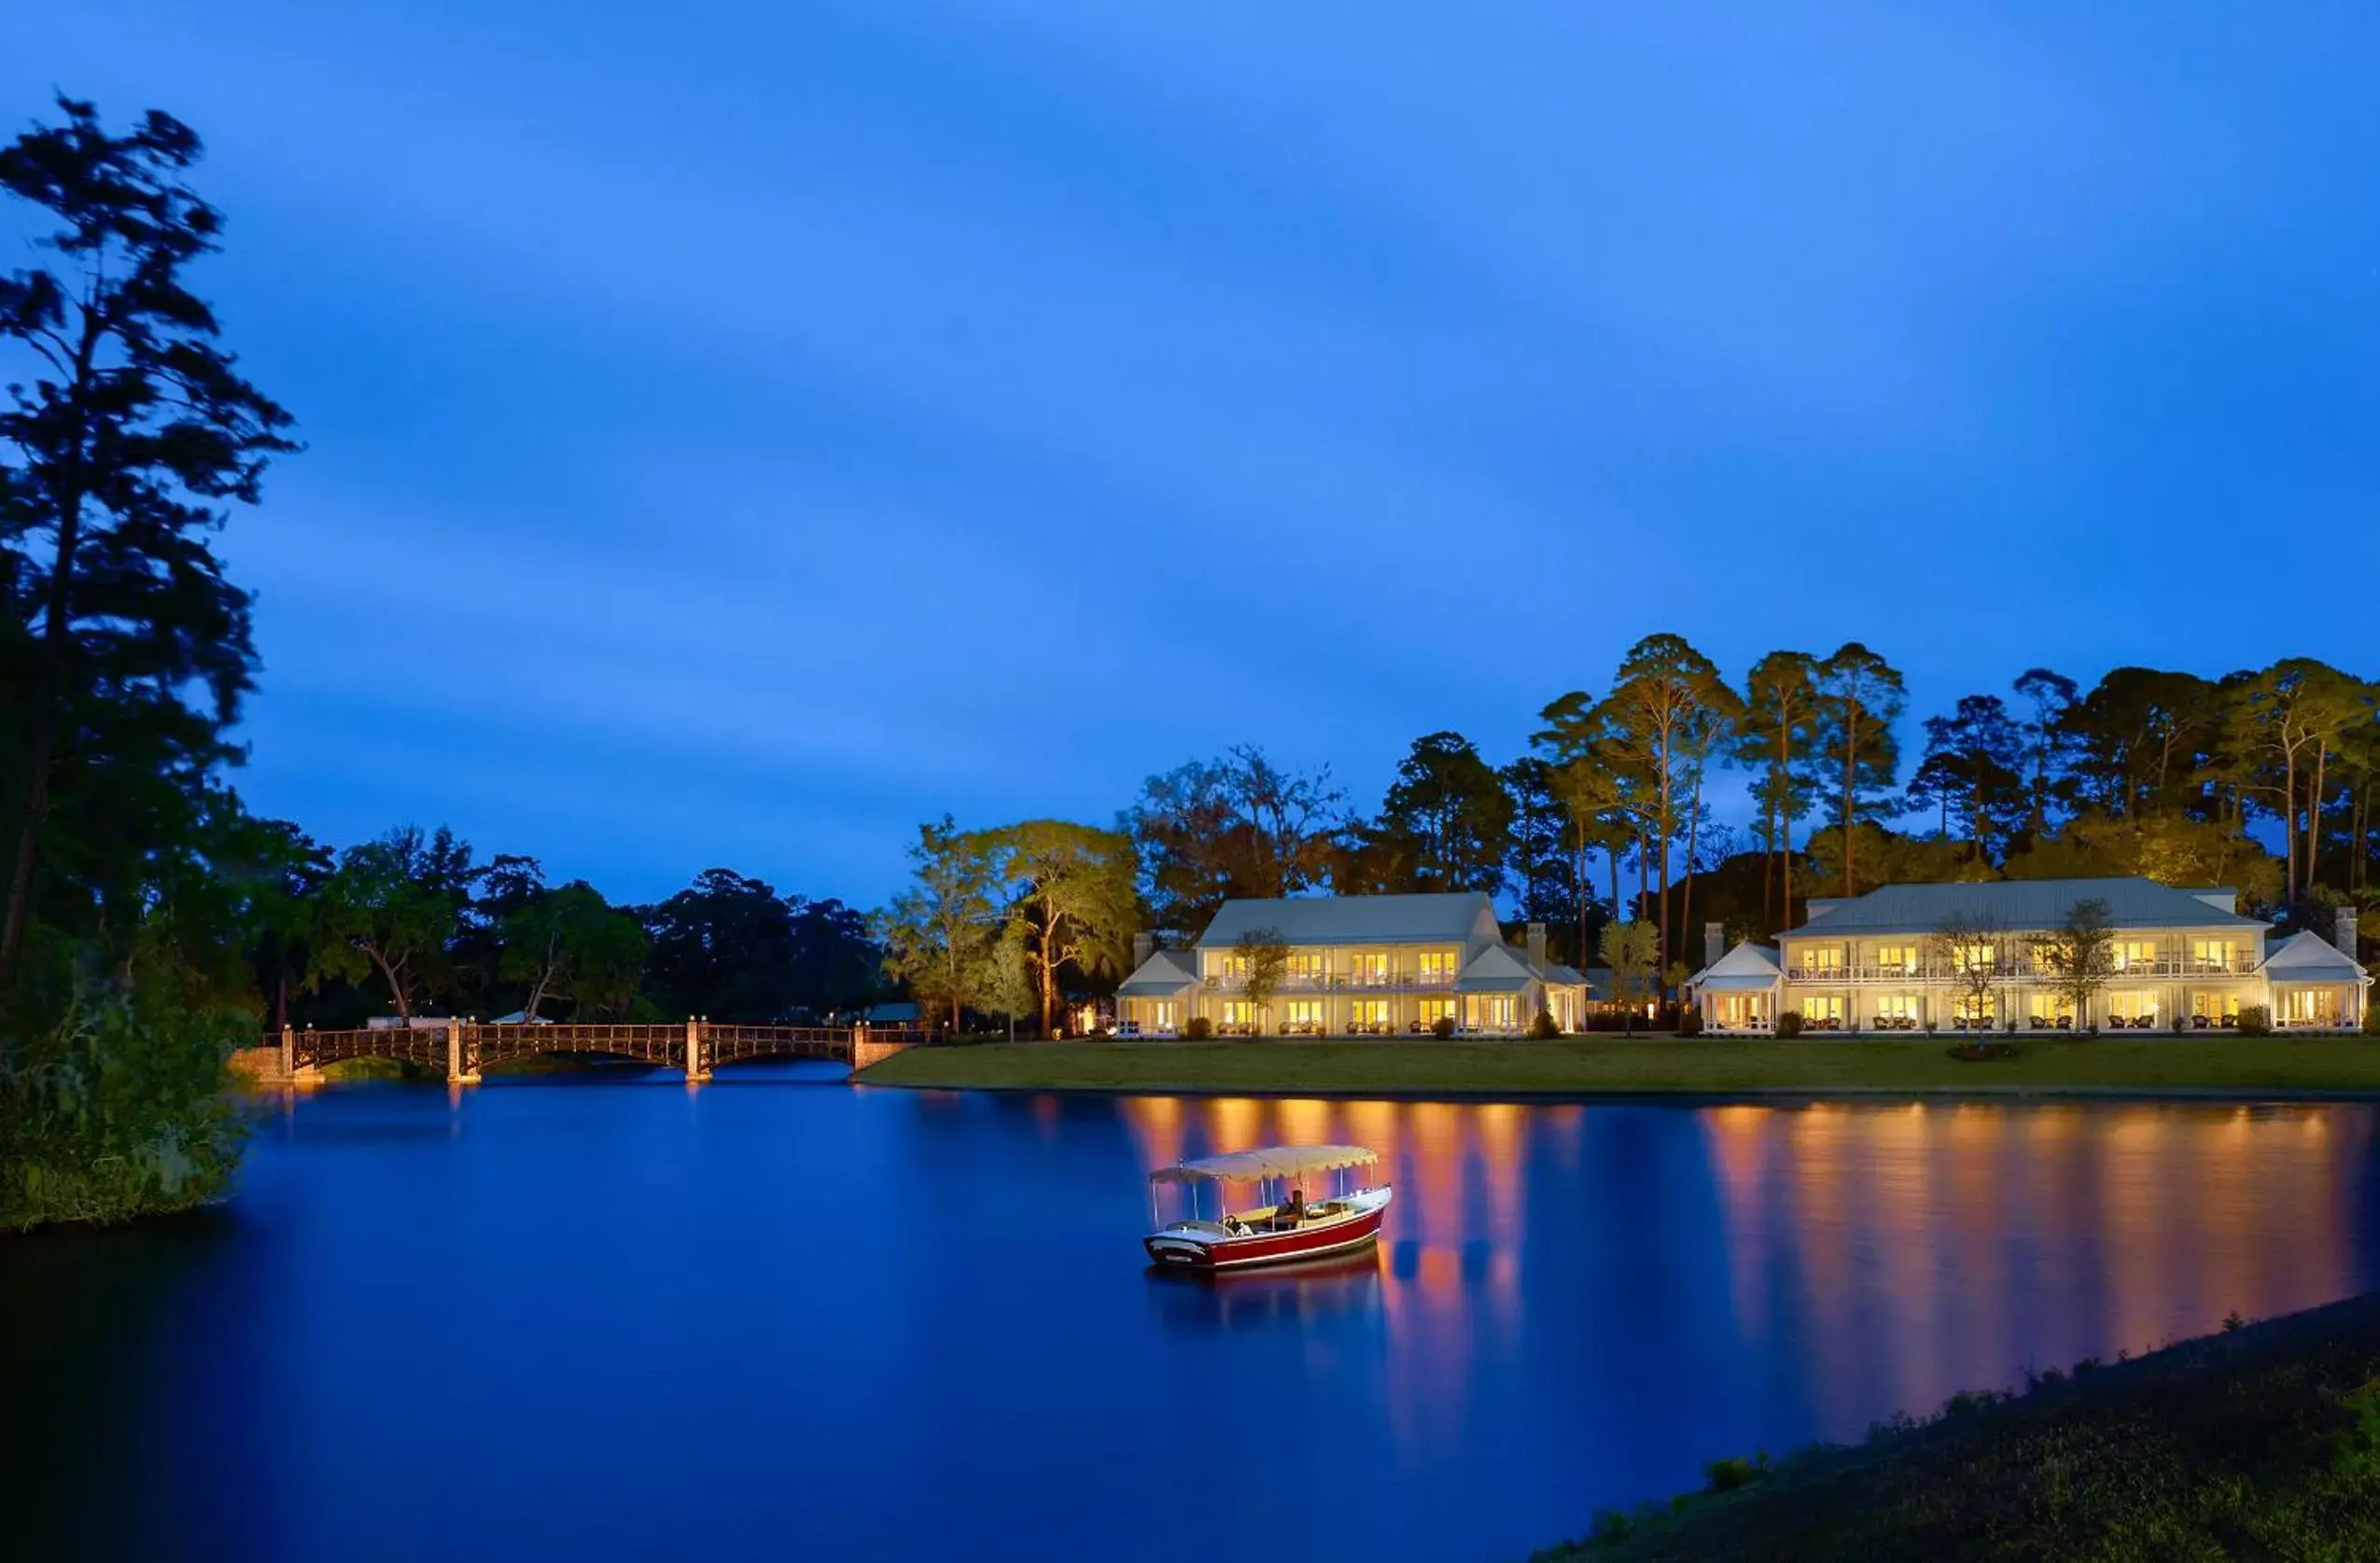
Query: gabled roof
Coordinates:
[1563,976]
[1746,966]
[1449,919]
[1166,972]
[1497,968]
[2019,905]
[2309,957]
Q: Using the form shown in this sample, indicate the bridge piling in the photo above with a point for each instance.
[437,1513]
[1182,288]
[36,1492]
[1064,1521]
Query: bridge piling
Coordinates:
[455,1072]
[694,1069]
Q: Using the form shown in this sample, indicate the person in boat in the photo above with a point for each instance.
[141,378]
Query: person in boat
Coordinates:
[1293,1209]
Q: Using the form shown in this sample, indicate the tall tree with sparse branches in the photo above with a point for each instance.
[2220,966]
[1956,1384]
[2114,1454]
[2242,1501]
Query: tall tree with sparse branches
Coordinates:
[1860,696]
[1774,741]
[126,429]
[1663,692]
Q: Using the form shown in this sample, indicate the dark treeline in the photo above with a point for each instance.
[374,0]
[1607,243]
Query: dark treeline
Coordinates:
[409,924]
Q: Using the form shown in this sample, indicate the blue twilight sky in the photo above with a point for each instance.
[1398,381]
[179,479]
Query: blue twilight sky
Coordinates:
[740,430]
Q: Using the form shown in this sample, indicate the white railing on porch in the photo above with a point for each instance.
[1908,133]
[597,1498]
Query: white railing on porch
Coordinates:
[2009,971]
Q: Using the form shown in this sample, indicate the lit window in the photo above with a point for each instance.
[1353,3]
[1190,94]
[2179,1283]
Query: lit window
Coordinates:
[1438,966]
[2211,954]
[2133,1008]
[1370,969]
[1897,958]
[2310,1006]
[1971,1008]
[1825,1009]
[1821,957]
[2131,955]
[1897,1007]
[2215,1006]
[1435,1010]
[1975,957]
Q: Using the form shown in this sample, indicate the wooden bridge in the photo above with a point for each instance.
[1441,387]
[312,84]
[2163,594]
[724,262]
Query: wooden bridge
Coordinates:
[462,1047]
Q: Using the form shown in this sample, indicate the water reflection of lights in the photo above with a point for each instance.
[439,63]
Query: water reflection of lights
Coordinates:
[1933,1246]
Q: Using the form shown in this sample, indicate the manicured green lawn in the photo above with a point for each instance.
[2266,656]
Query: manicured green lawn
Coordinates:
[2263,1444]
[1615,1064]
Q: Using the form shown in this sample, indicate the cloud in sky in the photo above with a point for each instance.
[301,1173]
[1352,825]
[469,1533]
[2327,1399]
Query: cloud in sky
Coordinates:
[736,436]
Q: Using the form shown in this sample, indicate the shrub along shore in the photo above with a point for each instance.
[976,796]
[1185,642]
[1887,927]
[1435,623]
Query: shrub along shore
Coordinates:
[2147,1067]
[2258,1441]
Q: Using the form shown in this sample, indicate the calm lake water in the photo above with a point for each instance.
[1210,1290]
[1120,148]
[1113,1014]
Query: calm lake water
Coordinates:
[778,1317]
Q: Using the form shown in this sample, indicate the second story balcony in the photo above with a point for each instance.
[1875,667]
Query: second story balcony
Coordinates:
[2020,968]
[1344,981]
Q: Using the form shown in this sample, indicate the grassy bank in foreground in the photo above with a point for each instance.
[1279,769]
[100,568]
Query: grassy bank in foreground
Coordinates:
[2259,1444]
[1653,1063]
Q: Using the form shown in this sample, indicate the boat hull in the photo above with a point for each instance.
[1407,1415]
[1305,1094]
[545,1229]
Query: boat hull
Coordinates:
[1187,1251]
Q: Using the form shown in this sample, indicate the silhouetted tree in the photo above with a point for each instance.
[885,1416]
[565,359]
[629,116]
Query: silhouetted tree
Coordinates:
[125,650]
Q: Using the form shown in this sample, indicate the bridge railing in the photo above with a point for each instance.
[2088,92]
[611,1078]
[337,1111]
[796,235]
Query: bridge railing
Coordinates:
[461,1046]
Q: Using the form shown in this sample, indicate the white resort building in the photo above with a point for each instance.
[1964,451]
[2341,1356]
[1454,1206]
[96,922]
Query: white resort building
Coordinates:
[1359,966]
[1900,958]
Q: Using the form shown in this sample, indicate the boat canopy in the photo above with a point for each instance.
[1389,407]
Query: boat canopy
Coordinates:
[1272,1161]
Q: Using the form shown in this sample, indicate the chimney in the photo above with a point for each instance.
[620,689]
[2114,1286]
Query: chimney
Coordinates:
[1144,946]
[1537,946]
[1715,942]
[2343,930]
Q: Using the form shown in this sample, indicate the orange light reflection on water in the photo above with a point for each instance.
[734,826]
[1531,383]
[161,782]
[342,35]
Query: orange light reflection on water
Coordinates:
[1939,1247]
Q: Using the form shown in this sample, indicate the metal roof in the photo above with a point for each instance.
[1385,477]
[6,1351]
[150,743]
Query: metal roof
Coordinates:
[2017,905]
[2310,958]
[1746,966]
[1449,919]
[1164,973]
[1497,968]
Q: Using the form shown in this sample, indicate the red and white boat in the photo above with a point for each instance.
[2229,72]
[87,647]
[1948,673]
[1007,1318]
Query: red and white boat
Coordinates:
[1288,1226]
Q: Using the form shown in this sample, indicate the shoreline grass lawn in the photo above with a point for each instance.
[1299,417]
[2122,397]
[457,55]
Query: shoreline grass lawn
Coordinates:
[1601,1065]
[2256,1443]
